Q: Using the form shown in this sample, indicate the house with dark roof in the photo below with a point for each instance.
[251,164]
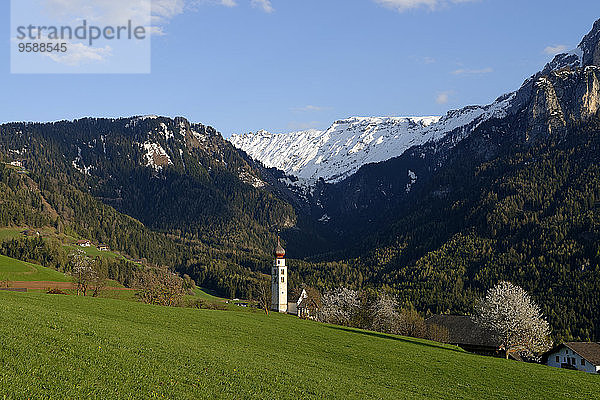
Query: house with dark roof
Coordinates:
[469,336]
[582,356]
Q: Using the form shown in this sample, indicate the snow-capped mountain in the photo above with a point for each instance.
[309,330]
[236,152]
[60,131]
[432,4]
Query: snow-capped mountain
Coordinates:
[338,152]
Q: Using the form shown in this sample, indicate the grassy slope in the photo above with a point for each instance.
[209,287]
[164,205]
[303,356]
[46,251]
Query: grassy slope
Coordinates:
[100,348]
[9,233]
[15,270]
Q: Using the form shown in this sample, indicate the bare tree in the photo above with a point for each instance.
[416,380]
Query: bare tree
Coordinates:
[264,294]
[411,323]
[99,282]
[339,306]
[82,271]
[509,312]
[159,286]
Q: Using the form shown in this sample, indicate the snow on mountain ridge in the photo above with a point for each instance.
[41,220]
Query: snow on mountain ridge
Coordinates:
[339,151]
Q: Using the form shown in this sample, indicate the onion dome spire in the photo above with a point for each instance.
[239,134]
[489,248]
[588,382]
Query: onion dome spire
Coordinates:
[279,251]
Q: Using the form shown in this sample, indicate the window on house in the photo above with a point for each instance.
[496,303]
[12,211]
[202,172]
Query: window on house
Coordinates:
[282,271]
[282,279]
[582,361]
[557,358]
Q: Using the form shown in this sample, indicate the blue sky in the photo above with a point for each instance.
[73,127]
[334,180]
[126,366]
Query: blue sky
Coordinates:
[244,65]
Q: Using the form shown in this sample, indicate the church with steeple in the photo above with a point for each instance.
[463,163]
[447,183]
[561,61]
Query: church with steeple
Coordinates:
[301,303]
[279,278]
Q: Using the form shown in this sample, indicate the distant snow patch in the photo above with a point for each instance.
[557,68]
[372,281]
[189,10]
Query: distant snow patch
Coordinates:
[155,156]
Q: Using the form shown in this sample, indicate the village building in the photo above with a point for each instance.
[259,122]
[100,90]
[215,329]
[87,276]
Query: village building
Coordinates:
[582,356]
[103,247]
[84,243]
[304,303]
[295,300]
[466,334]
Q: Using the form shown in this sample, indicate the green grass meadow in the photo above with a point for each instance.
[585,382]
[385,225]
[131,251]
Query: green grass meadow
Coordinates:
[15,270]
[59,347]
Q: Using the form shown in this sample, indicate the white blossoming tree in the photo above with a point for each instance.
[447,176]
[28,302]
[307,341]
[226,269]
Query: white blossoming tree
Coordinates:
[339,306]
[517,322]
[83,272]
[385,314]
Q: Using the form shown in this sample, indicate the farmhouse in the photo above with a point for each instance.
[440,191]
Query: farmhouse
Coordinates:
[103,247]
[469,336]
[583,356]
[84,243]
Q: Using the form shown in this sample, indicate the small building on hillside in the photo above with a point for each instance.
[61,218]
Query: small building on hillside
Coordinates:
[294,301]
[103,247]
[304,303]
[31,233]
[84,243]
[17,163]
[469,336]
[582,356]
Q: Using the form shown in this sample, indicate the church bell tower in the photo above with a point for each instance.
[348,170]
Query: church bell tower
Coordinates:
[279,281]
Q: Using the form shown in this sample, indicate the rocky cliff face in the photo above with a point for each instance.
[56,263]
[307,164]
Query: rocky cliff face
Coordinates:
[590,46]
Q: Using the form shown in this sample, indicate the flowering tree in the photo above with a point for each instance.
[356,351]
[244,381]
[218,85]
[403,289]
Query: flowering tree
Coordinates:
[339,306]
[385,314]
[82,271]
[517,322]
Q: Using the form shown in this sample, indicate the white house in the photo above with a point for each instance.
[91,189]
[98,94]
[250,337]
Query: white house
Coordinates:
[296,301]
[84,243]
[583,356]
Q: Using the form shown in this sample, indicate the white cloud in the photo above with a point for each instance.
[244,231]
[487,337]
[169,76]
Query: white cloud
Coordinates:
[265,5]
[118,12]
[482,71]
[404,5]
[443,97]
[79,54]
[556,49]
[228,3]
[309,108]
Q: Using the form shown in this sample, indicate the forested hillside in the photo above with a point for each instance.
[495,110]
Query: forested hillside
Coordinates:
[501,206]
[206,212]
